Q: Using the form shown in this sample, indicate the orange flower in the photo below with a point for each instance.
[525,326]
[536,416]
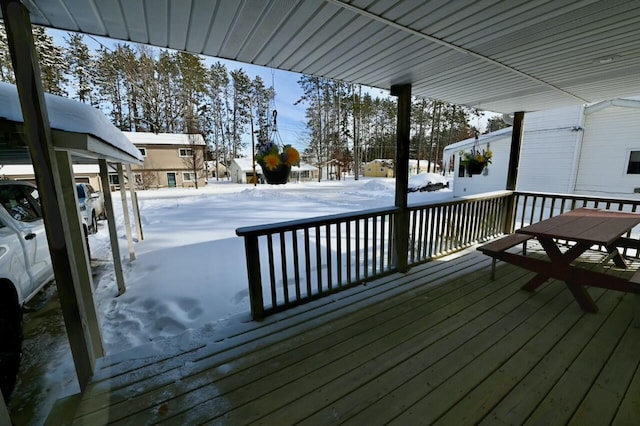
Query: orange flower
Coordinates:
[271,161]
[292,155]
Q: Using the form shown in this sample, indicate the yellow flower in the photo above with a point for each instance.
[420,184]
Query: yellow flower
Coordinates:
[292,155]
[271,161]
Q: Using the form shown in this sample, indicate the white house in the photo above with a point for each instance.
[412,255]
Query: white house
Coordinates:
[493,177]
[591,149]
[241,170]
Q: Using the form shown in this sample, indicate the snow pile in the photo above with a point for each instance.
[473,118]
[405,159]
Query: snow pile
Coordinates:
[424,181]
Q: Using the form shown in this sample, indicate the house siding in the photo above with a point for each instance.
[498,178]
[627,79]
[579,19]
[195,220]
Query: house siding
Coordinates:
[610,135]
[548,151]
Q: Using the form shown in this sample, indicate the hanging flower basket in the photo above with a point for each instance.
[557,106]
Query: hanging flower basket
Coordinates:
[475,168]
[476,160]
[278,176]
[276,164]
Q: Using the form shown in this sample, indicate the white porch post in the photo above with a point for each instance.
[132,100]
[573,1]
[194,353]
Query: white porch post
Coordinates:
[111,222]
[134,203]
[125,212]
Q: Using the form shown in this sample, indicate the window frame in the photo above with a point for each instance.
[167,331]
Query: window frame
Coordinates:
[187,154]
[633,167]
[184,179]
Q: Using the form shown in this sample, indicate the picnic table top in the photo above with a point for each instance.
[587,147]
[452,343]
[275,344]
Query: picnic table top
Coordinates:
[585,225]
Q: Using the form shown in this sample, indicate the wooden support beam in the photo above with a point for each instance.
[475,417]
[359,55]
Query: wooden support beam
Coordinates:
[134,203]
[79,259]
[514,154]
[401,234]
[111,222]
[125,213]
[57,223]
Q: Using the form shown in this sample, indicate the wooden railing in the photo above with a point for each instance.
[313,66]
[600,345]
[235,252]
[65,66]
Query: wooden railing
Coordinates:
[290,263]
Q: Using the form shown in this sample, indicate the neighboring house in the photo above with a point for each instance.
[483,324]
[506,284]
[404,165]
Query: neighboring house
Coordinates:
[379,168]
[170,160]
[305,172]
[83,173]
[332,169]
[216,170]
[591,149]
[425,167]
[241,170]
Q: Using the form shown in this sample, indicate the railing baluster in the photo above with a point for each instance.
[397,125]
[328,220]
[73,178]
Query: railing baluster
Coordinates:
[327,231]
[319,260]
[272,273]
[283,261]
[382,241]
[252,254]
[296,263]
[307,260]
[349,274]
[374,238]
[357,250]
[366,247]
[339,252]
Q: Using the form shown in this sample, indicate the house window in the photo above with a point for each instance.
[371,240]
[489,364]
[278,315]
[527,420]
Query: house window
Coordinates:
[143,151]
[113,180]
[381,169]
[633,168]
[188,176]
[186,152]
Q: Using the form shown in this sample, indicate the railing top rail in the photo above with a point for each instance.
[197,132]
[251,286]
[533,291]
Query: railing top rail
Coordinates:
[291,225]
[462,200]
[578,197]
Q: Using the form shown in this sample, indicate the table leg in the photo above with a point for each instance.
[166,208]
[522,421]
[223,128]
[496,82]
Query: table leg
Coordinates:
[534,282]
[617,258]
[582,297]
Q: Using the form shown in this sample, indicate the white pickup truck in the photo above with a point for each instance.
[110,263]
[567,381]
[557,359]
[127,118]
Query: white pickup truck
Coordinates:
[25,267]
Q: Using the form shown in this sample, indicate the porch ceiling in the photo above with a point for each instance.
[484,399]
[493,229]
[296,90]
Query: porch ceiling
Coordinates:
[498,55]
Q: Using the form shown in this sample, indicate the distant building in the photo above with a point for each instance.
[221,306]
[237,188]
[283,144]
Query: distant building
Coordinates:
[379,168]
[83,173]
[303,173]
[241,170]
[170,160]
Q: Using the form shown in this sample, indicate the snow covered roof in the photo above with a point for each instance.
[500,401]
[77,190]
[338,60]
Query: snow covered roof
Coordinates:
[148,138]
[87,131]
[27,169]
[246,164]
[303,167]
[482,139]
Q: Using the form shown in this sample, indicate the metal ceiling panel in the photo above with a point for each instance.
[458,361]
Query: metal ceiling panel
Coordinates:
[503,55]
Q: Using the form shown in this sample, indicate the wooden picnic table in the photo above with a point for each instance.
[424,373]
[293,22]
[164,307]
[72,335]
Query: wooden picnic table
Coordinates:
[582,228]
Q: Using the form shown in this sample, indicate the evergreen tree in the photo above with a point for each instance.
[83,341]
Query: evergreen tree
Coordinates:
[53,67]
[81,68]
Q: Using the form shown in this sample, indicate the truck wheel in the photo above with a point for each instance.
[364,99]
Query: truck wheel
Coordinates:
[94,223]
[10,347]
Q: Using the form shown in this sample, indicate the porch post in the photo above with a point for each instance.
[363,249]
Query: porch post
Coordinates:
[401,224]
[512,173]
[134,202]
[111,222]
[125,212]
[514,155]
[39,140]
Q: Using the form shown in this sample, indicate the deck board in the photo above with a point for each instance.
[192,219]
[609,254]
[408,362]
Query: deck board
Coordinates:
[441,344]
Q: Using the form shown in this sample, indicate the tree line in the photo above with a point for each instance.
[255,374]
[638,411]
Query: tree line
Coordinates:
[146,89]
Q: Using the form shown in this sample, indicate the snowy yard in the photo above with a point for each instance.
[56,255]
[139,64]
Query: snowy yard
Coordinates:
[189,276]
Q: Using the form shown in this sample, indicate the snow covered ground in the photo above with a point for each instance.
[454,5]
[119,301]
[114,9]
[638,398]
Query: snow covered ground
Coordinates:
[189,276]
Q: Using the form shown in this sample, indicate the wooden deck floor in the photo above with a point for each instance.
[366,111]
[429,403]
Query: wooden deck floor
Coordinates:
[442,344]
